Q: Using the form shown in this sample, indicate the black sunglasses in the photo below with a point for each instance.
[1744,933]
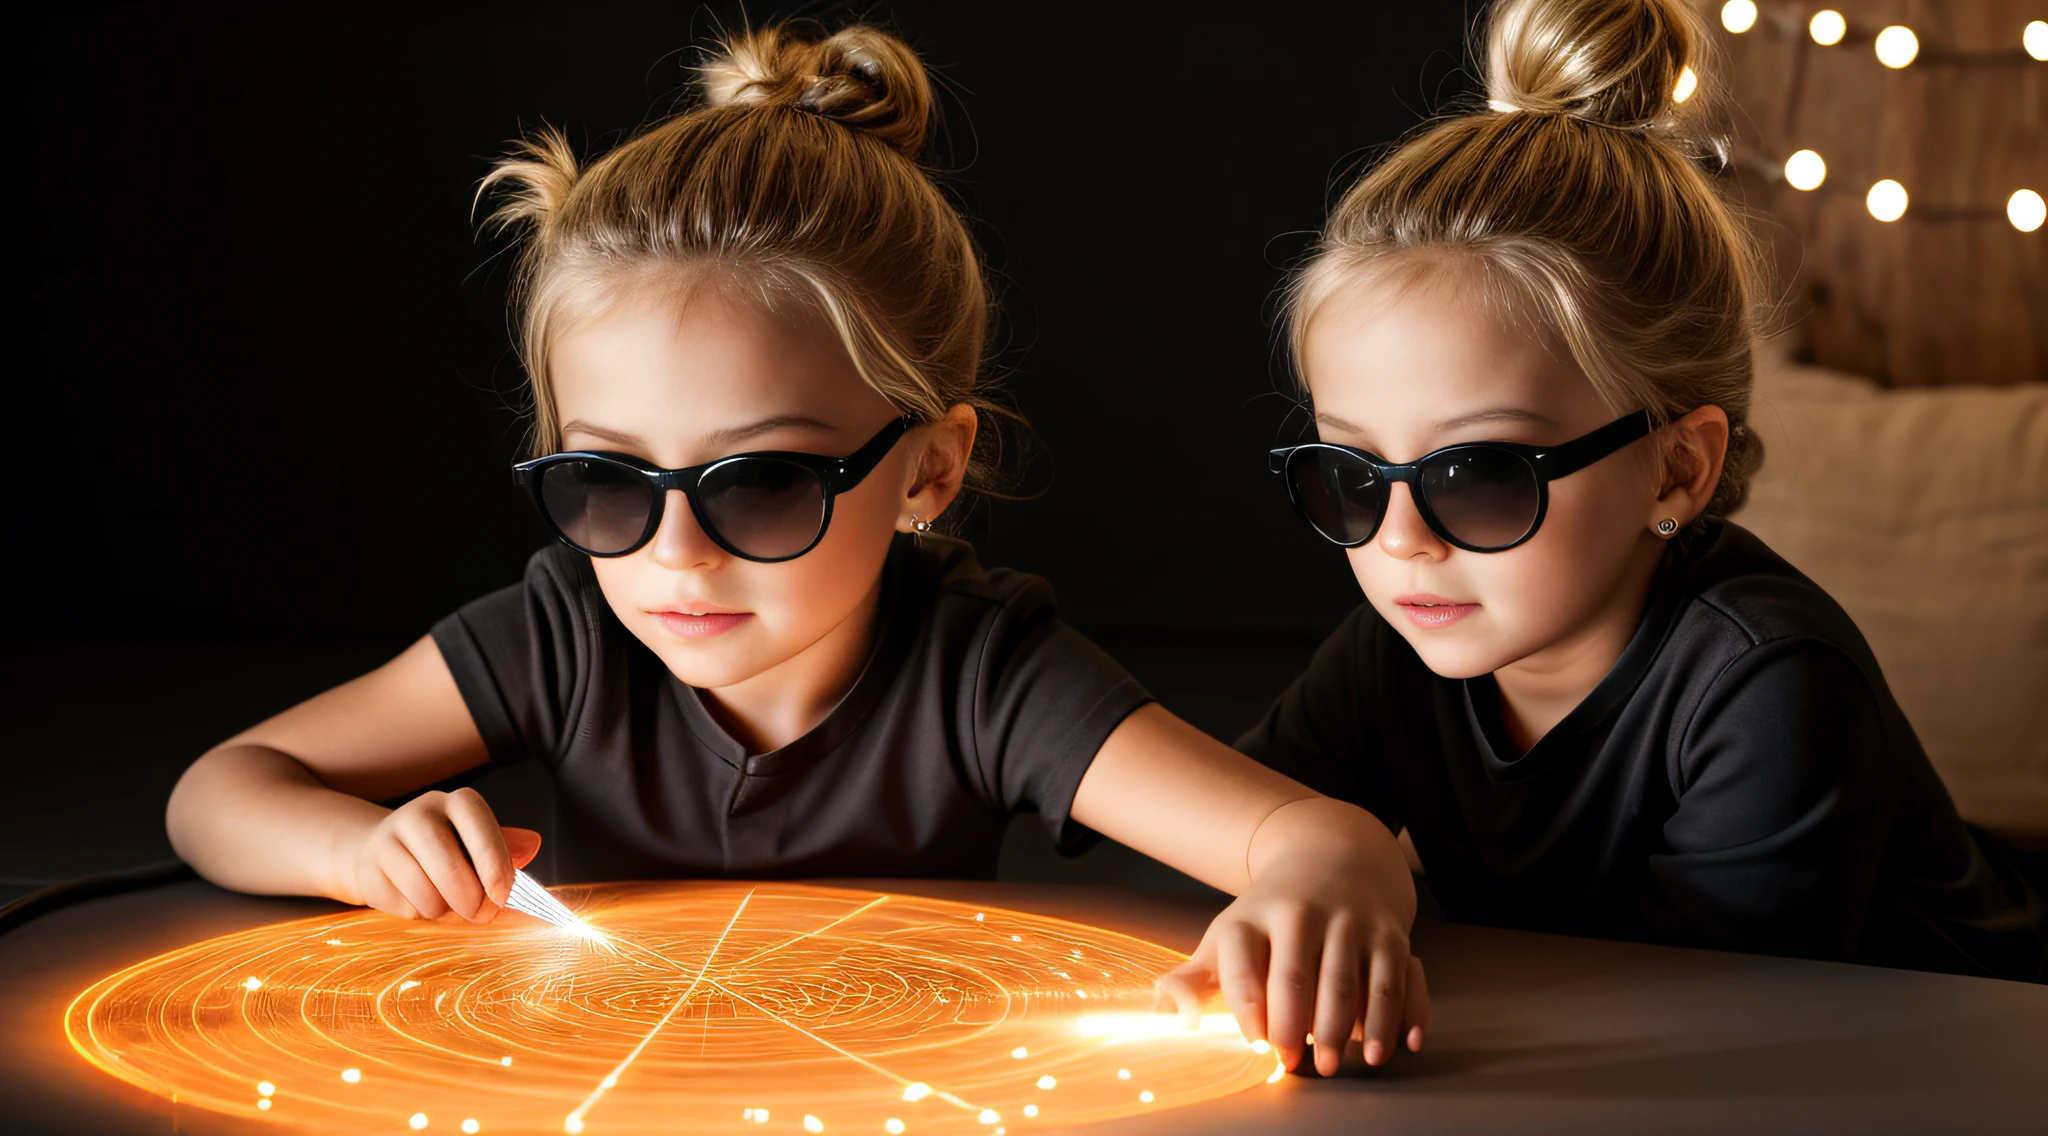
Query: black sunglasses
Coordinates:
[1478,496]
[767,506]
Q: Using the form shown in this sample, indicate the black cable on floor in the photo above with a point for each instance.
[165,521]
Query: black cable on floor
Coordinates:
[57,896]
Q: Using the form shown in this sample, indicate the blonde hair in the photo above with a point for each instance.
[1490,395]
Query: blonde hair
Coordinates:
[1578,197]
[798,176]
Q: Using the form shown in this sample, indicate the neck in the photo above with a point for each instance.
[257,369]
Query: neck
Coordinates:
[783,703]
[1538,690]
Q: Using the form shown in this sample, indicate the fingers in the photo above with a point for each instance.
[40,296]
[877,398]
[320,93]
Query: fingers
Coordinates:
[1297,947]
[484,843]
[1241,972]
[396,866]
[522,843]
[1416,1016]
[423,827]
[1188,985]
[1385,991]
[1337,1001]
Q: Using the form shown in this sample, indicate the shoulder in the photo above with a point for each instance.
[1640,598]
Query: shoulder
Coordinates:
[967,598]
[1737,583]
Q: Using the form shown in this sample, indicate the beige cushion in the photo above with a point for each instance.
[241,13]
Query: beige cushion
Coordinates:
[1924,512]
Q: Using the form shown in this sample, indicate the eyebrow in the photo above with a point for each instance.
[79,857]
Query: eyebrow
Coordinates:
[1490,414]
[728,436]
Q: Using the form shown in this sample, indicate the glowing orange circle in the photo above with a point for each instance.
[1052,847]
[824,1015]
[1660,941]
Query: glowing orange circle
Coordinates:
[713,1007]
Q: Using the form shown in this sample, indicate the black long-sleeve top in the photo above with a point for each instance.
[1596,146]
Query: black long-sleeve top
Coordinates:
[1742,778]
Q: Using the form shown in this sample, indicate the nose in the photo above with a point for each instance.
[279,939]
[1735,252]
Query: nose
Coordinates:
[681,543]
[1404,535]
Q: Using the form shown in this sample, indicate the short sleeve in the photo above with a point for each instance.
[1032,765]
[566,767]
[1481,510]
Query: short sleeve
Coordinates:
[1043,700]
[1785,797]
[1319,731]
[521,657]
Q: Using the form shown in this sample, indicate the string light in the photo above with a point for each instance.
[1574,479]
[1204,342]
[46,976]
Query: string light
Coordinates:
[1686,85]
[1886,200]
[2035,39]
[1827,27]
[1805,170]
[1897,46]
[2026,210]
[800,1001]
[1738,16]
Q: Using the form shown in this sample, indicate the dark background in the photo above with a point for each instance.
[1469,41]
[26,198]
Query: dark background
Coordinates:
[267,397]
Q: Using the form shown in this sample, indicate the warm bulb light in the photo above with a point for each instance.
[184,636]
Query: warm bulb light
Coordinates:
[2035,39]
[2026,210]
[1827,27]
[1687,84]
[1738,16]
[1897,46]
[1886,200]
[1805,170]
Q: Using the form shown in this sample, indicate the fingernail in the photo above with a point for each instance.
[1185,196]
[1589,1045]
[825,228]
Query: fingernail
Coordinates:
[1374,1053]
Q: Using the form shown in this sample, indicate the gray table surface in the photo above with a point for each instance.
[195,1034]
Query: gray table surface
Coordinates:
[1533,1033]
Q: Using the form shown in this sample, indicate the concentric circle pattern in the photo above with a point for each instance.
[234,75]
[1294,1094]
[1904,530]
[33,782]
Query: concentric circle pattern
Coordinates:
[696,1007]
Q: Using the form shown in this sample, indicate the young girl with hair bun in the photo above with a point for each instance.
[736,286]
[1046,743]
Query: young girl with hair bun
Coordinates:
[754,333]
[1595,705]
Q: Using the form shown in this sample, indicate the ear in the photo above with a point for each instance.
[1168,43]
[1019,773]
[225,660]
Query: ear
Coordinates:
[1694,449]
[938,466]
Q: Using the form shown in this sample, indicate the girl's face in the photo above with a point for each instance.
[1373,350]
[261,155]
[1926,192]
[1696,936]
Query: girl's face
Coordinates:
[680,383]
[1403,371]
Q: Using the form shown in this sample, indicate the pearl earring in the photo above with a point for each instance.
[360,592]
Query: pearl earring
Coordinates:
[920,524]
[1666,527]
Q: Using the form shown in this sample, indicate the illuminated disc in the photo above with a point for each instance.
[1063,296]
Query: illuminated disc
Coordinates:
[736,1007]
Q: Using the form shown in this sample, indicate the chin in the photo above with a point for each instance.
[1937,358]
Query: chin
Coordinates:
[1456,660]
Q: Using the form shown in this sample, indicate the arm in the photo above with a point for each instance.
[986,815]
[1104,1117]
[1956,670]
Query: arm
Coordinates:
[1318,936]
[285,808]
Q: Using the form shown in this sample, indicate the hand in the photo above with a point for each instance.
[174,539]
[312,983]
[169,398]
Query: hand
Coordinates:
[441,852]
[1317,944]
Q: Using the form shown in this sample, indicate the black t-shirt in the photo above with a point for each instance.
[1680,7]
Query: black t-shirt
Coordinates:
[976,702]
[1741,779]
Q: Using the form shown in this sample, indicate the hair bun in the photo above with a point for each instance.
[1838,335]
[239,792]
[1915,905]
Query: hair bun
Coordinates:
[1613,62]
[860,76]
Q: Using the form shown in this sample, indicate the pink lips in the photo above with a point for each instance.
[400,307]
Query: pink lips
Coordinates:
[1429,611]
[700,623]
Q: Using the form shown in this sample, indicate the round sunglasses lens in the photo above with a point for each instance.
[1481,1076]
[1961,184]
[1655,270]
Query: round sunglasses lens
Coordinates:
[1484,497]
[1342,496]
[601,507]
[764,507]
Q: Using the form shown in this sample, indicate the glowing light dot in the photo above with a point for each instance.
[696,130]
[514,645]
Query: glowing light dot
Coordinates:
[573,1125]
[1146,1096]
[505,1061]
[1687,84]
[813,1124]
[1020,1053]
[2035,39]
[1738,16]
[988,1116]
[407,985]
[893,1126]
[2025,210]
[1886,200]
[263,1104]
[611,1081]
[916,1091]
[1278,1072]
[334,942]
[1897,46]
[981,917]
[471,1126]
[1805,170]
[1047,1081]
[1123,1074]
[265,1088]
[1827,27]
[352,1075]
[1031,1110]
[1016,938]
[418,1121]
[253,985]
[1262,1046]
[757,1115]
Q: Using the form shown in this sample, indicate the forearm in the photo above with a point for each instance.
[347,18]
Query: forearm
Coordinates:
[254,819]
